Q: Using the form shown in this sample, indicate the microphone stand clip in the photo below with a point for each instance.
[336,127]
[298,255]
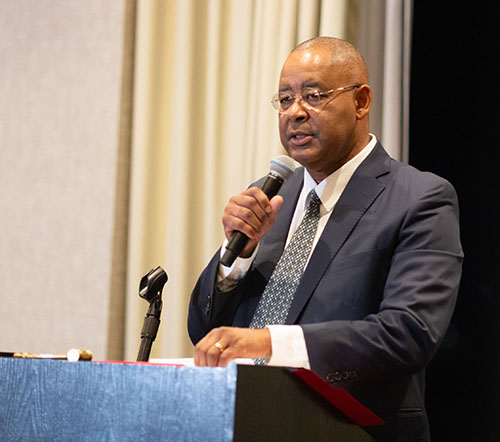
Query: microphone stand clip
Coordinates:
[150,289]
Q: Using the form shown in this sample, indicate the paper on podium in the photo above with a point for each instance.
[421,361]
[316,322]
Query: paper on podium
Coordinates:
[189,362]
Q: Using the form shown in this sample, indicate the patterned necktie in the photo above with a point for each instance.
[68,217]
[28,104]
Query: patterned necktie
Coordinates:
[278,294]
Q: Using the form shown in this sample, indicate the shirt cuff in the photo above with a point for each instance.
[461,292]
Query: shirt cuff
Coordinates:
[228,277]
[288,346]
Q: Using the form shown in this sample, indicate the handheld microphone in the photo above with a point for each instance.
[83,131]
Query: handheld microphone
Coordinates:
[281,169]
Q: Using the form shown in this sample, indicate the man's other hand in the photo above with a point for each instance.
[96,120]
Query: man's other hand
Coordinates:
[222,345]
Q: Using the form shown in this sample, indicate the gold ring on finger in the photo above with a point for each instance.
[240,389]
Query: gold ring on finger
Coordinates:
[219,347]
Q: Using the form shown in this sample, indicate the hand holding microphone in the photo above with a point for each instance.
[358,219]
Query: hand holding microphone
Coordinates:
[251,211]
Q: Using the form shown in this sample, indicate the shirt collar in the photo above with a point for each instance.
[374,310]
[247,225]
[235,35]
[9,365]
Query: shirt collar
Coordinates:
[330,189]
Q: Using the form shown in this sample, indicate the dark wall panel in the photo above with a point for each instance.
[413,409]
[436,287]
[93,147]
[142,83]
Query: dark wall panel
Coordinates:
[454,132]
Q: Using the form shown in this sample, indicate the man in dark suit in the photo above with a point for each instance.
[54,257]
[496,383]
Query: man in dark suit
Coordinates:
[380,281]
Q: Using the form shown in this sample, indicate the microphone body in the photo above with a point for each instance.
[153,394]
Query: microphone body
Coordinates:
[282,168]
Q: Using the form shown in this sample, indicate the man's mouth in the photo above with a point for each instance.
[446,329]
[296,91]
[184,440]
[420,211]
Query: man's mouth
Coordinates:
[300,138]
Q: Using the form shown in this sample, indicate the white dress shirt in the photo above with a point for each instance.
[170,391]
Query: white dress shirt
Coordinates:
[288,343]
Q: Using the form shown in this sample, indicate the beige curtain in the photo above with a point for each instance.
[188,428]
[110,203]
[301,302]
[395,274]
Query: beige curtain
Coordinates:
[203,129]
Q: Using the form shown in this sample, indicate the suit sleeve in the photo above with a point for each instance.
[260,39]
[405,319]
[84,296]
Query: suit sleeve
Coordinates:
[417,302]
[210,307]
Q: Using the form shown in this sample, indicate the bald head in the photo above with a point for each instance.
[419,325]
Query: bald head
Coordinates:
[345,58]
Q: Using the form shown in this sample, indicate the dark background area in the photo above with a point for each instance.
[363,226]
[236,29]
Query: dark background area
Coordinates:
[455,73]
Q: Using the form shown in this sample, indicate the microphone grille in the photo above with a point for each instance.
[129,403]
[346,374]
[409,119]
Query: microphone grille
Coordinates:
[282,166]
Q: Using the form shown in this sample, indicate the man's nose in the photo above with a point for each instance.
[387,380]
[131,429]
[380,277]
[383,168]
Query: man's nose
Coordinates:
[297,110]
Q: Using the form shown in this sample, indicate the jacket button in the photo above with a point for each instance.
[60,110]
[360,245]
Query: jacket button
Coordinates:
[334,377]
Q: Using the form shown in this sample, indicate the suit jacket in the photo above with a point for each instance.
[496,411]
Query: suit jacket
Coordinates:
[378,292]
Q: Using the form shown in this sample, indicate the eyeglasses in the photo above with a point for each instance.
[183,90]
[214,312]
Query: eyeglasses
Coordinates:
[310,97]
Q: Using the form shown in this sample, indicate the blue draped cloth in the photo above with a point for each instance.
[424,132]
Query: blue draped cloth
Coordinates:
[89,401]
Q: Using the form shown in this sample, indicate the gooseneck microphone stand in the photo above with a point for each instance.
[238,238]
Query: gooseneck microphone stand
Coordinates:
[150,289]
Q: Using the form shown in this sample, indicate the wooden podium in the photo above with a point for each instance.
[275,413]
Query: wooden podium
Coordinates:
[44,400]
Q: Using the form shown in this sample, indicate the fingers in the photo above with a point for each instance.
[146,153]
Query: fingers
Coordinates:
[206,353]
[276,203]
[224,344]
[251,213]
[246,212]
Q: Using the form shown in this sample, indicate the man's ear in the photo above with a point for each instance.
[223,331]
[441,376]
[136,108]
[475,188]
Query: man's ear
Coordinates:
[363,101]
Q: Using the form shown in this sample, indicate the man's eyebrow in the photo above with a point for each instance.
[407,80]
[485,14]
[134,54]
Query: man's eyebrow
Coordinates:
[309,84]
[313,84]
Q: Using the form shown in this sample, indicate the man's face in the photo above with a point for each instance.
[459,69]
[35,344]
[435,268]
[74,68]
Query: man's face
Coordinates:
[322,139]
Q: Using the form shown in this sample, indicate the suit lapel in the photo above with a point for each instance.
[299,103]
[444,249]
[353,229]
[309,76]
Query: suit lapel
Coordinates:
[360,193]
